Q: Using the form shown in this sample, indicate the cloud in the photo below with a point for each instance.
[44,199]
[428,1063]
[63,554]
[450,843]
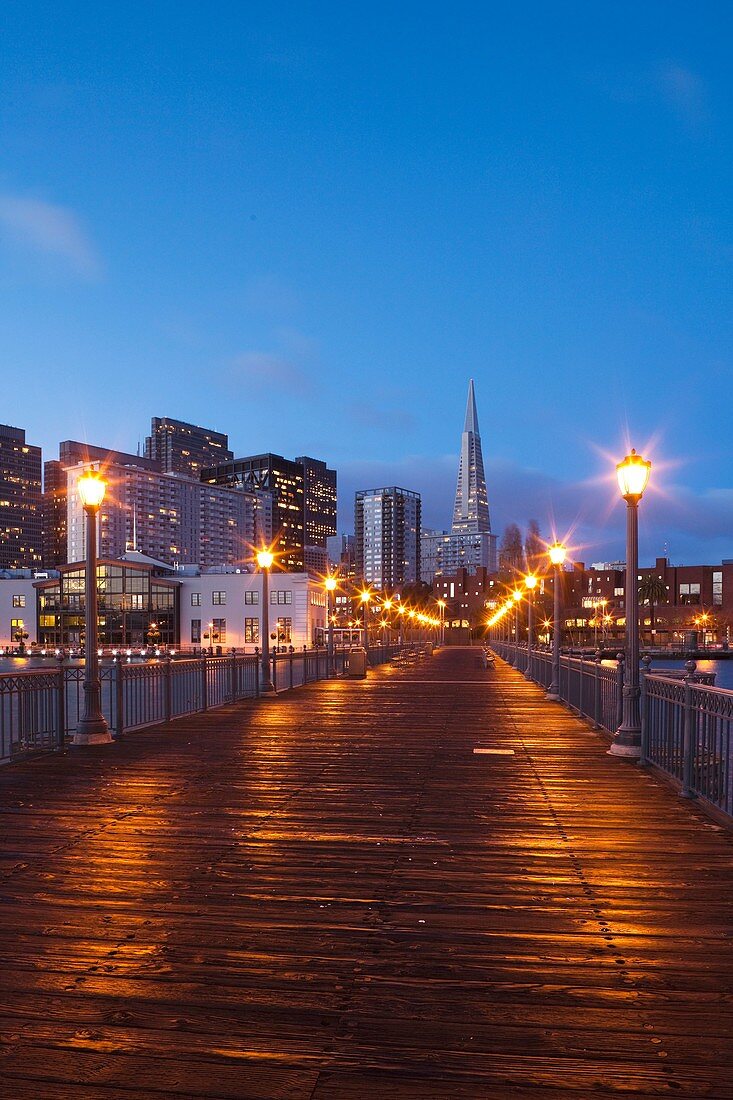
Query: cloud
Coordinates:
[685,92]
[690,526]
[51,230]
[264,371]
[269,295]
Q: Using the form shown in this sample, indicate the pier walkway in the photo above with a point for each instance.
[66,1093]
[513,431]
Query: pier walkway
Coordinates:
[331,896]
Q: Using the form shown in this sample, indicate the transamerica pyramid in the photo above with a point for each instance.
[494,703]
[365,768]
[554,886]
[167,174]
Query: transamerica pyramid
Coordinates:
[471,509]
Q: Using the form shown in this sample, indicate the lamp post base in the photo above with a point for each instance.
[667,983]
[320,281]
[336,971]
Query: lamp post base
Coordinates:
[267,688]
[627,743]
[552,697]
[92,733]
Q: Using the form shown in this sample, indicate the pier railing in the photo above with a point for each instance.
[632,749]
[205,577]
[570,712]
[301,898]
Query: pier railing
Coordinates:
[40,708]
[686,722]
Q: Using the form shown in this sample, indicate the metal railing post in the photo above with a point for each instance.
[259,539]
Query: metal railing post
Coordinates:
[620,689]
[688,747]
[204,685]
[597,690]
[645,735]
[61,706]
[119,699]
[581,667]
[167,689]
[233,677]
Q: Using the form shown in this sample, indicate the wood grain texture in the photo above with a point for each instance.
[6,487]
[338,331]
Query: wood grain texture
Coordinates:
[329,896]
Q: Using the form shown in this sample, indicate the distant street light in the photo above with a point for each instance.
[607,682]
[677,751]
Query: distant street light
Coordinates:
[633,477]
[330,585]
[265,558]
[365,597]
[516,596]
[557,553]
[530,583]
[92,729]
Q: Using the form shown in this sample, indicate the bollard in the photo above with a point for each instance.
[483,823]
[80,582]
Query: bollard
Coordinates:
[688,746]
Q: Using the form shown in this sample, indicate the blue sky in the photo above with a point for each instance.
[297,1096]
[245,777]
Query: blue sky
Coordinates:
[309,225]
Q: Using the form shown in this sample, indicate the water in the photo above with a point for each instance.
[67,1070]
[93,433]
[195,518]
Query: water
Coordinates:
[723,670]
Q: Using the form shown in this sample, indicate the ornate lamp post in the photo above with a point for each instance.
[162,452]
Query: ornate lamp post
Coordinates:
[401,610]
[265,558]
[365,597]
[92,728]
[441,605]
[557,553]
[633,476]
[330,585]
[530,583]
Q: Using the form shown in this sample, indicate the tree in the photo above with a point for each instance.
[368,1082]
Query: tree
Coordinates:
[534,547]
[511,551]
[651,590]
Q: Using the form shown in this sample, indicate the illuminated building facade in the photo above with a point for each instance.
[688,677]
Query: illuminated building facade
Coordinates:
[183,448]
[136,606]
[387,532]
[168,517]
[284,480]
[20,501]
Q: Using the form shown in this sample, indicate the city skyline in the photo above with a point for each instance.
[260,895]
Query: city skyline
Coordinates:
[334,230]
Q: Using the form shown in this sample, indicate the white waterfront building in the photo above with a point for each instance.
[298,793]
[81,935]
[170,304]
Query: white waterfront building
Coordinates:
[223,603]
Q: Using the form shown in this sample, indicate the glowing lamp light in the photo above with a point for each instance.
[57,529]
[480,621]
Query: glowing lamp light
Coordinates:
[633,476]
[365,597]
[516,595]
[265,558]
[329,584]
[387,605]
[557,553]
[91,489]
[530,581]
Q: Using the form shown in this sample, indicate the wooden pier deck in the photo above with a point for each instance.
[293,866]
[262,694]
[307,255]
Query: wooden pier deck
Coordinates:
[330,896]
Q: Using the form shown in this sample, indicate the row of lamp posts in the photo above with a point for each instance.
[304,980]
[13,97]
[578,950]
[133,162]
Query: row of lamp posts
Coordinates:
[633,476]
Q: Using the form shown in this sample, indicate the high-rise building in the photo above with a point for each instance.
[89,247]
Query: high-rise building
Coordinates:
[319,501]
[284,480]
[387,531]
[342,554]
[55,496]
[20,501]
[170,518]
[185,448]
[471,508]
[469,544]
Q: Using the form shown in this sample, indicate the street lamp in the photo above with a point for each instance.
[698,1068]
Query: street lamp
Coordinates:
[557,553]
[516,597]
[441,605]
[265,558]
[92,728]
[365,597]
[330,585]
[530,583]
[401,613]
[633,476]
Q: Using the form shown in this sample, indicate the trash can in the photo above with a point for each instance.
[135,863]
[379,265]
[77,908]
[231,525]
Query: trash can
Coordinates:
[357,666]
